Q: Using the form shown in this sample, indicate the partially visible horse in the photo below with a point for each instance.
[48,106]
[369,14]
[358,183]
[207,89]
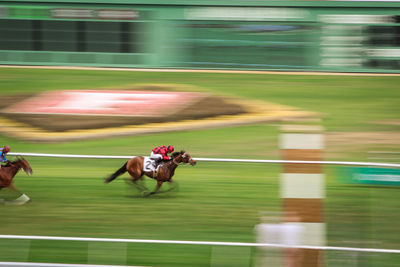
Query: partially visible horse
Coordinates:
[7,174]
[135,167]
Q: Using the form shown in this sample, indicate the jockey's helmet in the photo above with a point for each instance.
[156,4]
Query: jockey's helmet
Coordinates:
[6,149]
[170,149]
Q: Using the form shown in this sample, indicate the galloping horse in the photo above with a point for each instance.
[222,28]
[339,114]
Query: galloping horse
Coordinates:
[135,168]
[7,174]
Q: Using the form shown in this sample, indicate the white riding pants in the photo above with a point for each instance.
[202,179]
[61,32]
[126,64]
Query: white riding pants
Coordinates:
[155,156]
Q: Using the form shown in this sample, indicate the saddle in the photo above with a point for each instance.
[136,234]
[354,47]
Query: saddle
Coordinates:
[149,165]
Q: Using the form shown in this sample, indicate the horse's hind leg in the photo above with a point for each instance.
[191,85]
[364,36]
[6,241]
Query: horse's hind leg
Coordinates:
[13,188]
[140,187]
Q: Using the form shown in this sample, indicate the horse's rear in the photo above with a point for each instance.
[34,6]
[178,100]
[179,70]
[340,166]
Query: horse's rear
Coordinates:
[134,167]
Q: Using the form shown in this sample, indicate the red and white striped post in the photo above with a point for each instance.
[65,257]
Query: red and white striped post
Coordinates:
[303,186]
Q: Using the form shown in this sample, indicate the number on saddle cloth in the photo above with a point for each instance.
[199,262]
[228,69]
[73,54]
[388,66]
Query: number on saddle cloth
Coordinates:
[148,164]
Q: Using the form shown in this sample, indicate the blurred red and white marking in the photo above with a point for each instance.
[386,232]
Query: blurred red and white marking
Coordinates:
[106,102]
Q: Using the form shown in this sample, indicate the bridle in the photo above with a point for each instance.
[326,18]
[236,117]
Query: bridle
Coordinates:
[177,163]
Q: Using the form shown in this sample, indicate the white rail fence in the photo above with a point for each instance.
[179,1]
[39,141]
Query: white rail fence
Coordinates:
[182,242]
[170,242]
[345,163]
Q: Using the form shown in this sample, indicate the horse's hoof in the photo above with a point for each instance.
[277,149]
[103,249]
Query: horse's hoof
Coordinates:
[19,201]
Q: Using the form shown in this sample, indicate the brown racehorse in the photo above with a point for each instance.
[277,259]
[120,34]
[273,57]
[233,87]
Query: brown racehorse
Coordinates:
[165,172]
[7,174]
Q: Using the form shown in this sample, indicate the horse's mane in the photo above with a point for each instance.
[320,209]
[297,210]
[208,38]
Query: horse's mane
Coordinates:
[19,158]
[175,154]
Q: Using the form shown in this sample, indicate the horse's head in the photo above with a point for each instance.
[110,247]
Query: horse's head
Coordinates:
[186,158]
[23,164]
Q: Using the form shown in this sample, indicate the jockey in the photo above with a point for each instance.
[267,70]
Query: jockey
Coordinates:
[160,153]
[4,150]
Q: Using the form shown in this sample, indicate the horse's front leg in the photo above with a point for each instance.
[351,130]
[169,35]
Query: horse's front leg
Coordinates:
[2,199]
[140,187]
[173,185]
[159,183]
[22,199]
[14,188]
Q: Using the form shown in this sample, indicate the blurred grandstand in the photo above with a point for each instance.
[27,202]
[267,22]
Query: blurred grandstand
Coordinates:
[341,36]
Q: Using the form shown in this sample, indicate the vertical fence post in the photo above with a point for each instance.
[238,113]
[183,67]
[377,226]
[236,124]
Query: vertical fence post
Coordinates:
[302,186]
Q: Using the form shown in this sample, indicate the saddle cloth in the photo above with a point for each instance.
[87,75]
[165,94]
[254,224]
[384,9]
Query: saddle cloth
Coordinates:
[148,164]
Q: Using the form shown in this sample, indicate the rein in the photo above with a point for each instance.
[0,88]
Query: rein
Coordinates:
[14,165]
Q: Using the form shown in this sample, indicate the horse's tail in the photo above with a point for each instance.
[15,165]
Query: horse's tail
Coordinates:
[119,172]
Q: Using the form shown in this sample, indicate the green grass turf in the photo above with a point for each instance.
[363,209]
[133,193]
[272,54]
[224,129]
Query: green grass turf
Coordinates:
[215,201]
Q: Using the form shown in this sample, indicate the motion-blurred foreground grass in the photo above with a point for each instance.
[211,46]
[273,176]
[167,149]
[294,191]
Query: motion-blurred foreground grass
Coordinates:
[215,201]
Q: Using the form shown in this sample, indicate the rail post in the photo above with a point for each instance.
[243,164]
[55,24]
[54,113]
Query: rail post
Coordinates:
[302,188]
